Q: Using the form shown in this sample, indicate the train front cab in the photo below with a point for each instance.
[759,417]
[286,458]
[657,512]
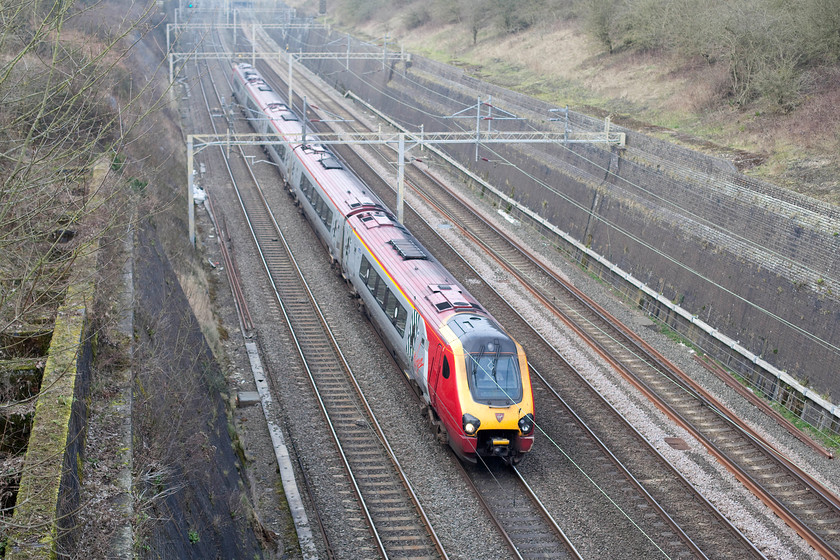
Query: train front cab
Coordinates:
[489,409]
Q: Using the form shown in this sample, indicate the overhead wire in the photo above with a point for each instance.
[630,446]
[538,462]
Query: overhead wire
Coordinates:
[445,409]
[811,336]
[683,210]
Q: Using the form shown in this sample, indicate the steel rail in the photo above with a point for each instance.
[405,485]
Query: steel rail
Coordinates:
[761,403]
[246,323]
[306,479]
[232,266]
[712,508]
[514,536]
[548,517]
[302,353]
[776,505]
[638,486]
[664,515]
[383,440]
[241,304]
[336,440]
[299,345]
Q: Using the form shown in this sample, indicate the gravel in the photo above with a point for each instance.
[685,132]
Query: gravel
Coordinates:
[768,532]
[456,517]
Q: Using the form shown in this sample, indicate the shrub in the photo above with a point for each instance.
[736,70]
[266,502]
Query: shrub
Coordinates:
[417,17]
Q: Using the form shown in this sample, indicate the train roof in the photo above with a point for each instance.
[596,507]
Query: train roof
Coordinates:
[348,192]
[425,282]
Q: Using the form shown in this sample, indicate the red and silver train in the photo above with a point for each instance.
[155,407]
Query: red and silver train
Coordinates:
[472,375]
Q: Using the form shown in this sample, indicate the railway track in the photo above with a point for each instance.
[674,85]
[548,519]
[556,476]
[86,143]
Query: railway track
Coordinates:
[813,512]
[791,493]
[655,485]
[522,519]
[386,519]
[517,261]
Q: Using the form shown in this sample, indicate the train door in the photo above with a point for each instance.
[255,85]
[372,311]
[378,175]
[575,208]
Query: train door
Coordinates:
[347,245]
[435,358]
[416,349]
[338,237]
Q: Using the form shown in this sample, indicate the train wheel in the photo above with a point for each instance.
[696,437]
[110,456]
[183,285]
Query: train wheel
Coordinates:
[437,426]
[442,435]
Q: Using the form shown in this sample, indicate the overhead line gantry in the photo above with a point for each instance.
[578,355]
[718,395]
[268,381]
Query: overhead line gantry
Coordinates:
[396,140]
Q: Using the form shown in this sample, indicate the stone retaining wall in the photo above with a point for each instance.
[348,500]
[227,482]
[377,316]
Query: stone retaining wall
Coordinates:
[48,495]
[49,488]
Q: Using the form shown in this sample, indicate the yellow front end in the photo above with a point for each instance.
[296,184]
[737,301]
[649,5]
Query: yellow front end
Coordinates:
[502,427]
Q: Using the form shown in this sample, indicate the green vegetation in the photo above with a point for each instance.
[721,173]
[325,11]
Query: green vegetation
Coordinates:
[764,48]
[825,439]
[137,185]
[753,81]
[676,336]
[767,48]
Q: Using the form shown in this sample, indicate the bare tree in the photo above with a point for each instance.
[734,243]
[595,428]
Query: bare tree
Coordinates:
[66,101]
[766,46]
[61,110]
[600,18]
[475,14]
[820,26]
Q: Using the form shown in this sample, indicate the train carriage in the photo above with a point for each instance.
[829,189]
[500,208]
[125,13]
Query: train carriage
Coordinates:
[472,375]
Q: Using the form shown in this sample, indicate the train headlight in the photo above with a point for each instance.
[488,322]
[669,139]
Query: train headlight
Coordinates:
[526,424]
[471,424]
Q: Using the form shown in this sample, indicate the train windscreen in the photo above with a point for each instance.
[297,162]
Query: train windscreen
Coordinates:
[493,372]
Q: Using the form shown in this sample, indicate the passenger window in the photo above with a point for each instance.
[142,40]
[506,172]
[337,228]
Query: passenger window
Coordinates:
[399,322]
[381,292]
[391,307]
[371,284]
[364,269]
